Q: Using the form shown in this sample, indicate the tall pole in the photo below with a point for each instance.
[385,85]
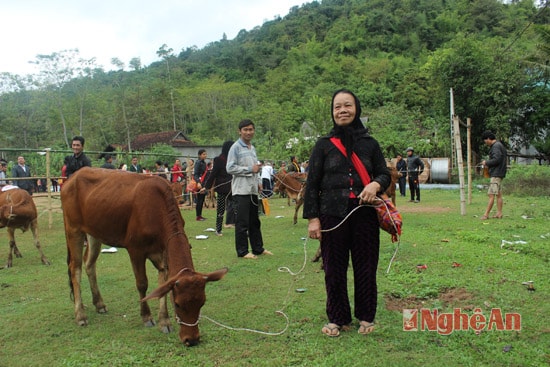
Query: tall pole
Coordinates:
[48,184]
[460,164]
[469,157]
[452,114]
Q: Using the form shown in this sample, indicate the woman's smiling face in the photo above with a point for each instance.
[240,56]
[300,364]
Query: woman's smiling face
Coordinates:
[344,109]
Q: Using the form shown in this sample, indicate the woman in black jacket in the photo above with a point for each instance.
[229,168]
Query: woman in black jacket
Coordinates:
[221,181]
[334,190]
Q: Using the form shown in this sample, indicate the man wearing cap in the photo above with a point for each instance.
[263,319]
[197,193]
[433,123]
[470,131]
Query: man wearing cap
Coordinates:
[415,167]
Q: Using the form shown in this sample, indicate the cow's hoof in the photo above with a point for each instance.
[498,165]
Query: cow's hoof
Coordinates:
[102,310]
[149,323]
[45,262]
[166,329]
[83,322]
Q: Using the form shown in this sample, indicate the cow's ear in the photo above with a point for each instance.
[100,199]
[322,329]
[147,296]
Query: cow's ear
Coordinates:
[216,275]
[161,290]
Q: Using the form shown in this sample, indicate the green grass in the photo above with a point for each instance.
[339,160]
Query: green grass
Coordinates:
[38,327]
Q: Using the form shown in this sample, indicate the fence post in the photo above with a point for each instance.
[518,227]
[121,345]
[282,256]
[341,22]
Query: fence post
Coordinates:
[48,183]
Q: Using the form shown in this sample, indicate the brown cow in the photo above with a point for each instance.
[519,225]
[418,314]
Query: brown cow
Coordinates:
[17,210]
[293,184]
[390,191]
[177,190]
[139,213]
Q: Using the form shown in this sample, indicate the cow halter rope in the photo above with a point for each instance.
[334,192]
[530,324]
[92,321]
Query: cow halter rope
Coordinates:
[201,316]
[393,223]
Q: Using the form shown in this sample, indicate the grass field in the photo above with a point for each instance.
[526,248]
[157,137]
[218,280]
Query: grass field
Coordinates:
[491,260]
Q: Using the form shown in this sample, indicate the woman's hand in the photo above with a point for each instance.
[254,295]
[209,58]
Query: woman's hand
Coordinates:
[314,229]
[368,195]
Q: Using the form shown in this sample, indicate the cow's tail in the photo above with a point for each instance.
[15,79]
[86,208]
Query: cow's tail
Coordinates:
[71,294]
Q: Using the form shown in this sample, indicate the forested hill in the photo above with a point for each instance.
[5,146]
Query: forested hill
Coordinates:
[400,57]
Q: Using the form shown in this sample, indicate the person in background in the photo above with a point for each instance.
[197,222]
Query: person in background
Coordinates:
[294,166]
[401,167]
[78,159]
[3,174]
[22,170]
[108,162]
[243,165]
[415,167]
[497,164]
[135,166]
[333,205]
[199,173]
[221,181]
[189,196]
[267,179]
[159,169]
[177,172]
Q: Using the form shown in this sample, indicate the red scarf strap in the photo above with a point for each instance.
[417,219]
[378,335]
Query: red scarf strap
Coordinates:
[359,166]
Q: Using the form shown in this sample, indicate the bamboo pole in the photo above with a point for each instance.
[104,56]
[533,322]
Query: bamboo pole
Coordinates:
[460,164]
[469,157]
[48,184]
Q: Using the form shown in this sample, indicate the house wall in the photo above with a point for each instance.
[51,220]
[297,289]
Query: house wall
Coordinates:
[192,152]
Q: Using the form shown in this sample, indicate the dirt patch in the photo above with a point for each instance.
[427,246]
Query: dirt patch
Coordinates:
[420,208]
[457,297]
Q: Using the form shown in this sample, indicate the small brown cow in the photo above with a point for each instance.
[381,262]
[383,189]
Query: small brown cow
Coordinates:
[294,185]
[390,191]
[17,210]
[138,213]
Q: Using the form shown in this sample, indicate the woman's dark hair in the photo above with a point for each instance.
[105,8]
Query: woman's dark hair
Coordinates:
[225,147]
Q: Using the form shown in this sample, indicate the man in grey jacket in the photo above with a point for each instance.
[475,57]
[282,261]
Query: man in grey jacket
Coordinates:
[243,164]
[497,164]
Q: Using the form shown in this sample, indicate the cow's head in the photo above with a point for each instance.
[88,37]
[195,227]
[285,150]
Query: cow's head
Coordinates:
[188,297]
[6,215]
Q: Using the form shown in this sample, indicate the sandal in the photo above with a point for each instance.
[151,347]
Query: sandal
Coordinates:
[484,217]
[497,216]
[333,330]
[250,256]
[365,327]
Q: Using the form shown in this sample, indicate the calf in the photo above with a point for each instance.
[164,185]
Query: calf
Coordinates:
[17,210]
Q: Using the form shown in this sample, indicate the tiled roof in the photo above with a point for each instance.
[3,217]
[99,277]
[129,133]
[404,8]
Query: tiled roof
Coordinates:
[172,138]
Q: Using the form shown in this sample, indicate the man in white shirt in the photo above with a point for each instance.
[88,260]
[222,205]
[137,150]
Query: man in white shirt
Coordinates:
[267,179]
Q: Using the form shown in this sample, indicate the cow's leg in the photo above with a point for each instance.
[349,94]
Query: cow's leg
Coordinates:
[34,230]
[163,318]
[75,244]
[13,247]
[138,266]
[299,202]
[317,255]
[93,250]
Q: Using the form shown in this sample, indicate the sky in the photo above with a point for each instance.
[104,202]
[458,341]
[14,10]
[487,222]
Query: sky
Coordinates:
[124,29]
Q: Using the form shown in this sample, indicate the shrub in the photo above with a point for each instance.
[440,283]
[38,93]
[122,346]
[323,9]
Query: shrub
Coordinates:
[527,180]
